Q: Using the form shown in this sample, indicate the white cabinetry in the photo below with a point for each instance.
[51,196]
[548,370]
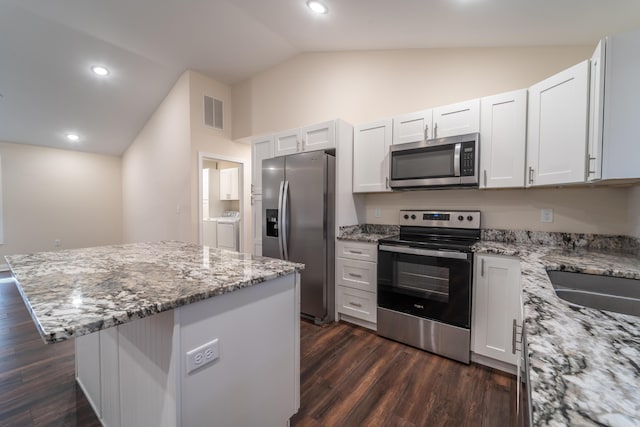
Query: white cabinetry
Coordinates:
[227,235]
[557,128]
[356,282]
[256,224]
[503,140]
[413,127]
[261,148]
[496,310]
[229,184]
[615,103]
[320,136]
[456,119]
[371,142]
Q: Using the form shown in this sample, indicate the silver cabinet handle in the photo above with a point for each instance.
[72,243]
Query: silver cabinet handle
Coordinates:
[485,177]
[426,132]
[387,182]
[355,304]
[591,159]
[482,267]
[531,170]
[355,275]
[356,252]
[435,130]
[513,337]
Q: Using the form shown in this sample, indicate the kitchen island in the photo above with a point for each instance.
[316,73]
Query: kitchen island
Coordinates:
[136,310]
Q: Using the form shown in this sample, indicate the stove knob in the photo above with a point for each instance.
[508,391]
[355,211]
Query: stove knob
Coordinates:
[469,218]
[460,218]
[413,217]
[406,216]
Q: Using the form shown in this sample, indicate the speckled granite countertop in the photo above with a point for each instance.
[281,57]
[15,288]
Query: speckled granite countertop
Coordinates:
[584,364]
[75,292]
[367,232]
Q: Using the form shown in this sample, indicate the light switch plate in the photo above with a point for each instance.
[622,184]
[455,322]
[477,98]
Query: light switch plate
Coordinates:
[546,215]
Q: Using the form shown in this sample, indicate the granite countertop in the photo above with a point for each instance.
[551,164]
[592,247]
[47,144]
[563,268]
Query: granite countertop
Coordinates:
[367,232]
[76,292]
[584,364]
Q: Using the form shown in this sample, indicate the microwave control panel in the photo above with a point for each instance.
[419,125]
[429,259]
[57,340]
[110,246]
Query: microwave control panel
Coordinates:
[468,159]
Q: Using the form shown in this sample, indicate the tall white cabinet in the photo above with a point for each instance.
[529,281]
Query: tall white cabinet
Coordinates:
[261,148]
[371,142]
[557,135]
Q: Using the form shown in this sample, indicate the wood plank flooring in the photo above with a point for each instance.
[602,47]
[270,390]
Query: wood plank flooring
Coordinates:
[349,377]
[352,377]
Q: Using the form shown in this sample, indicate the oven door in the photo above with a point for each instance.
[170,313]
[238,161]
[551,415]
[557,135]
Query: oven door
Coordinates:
[426,283]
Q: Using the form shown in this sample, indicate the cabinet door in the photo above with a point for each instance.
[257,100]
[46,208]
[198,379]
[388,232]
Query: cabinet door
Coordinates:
[596,113]
[503,140]
[496,304]
[256,223]
[235,183]
[557,139]
[413,127]
[261,149]
[227,236]
[371,142]
[318,137]
[287,142]
[456,119]
[225,184]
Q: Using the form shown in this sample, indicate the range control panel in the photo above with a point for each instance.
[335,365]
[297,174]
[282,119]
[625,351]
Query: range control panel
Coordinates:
[450,219]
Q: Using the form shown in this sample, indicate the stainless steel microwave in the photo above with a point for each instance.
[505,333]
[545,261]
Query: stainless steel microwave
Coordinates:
[444,162]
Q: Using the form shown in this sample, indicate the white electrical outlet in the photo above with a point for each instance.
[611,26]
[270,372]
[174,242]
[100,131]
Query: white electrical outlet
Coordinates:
[546,215]
[377,213]
[57,243]
[203,355]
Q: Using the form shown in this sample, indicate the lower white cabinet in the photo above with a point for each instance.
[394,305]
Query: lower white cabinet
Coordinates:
[256,224]
[356,282]
[497,316]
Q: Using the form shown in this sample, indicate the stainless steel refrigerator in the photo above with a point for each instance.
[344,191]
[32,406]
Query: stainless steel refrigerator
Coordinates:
[298,199]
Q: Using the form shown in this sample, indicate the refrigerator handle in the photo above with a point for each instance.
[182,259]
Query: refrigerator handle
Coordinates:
[280,249]
[285,225]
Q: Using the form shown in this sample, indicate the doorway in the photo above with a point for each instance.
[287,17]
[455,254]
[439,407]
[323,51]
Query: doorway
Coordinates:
[221,202]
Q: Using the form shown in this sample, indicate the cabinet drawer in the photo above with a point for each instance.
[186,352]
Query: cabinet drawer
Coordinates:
[362,251]
[357,303]
[356,274]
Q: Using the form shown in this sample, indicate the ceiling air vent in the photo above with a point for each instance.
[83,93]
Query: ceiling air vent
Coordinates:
[212,112]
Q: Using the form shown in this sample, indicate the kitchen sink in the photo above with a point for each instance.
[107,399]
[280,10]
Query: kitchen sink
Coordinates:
[617,294]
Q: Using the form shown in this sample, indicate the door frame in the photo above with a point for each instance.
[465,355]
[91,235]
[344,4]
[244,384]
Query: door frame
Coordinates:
[202,156]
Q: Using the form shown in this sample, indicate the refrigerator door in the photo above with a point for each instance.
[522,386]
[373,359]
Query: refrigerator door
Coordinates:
[272,183]
[306,219]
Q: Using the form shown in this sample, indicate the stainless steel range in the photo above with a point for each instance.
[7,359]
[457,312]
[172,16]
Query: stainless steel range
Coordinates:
[424,281]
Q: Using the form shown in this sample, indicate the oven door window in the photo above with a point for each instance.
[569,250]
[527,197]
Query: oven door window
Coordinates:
[424,286]
[422,163]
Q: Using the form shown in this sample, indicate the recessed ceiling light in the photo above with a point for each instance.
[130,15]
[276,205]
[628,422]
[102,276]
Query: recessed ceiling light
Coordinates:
[317,7]
[73,137]
[100,70]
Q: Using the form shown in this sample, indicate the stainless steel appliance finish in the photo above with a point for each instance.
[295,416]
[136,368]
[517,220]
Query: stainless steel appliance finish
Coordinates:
[424,281]
[427,334]
[298,225]
[444,162]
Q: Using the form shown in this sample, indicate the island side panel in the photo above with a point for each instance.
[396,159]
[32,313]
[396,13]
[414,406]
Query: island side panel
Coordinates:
[255,379]
[110,377]
[88,369]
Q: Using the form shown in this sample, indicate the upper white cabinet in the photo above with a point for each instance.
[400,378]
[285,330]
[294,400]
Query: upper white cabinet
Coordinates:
[229,184]
[413,127]
[456,119]
[371,142]
[619,98]
[503,140]
[596,113]
[497,315]
[261,148]
[320,136]
[557,128]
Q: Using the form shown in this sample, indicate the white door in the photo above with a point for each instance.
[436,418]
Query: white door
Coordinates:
[261,149]
[557,136]
[318,137]
[503,140]
[496,304]
[227,236]
[287,142]
[456,119]
[596,113]
[413,127]
[256,223]
[371,142]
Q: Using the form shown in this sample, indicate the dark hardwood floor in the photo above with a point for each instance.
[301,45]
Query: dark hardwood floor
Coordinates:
[352,377]
[349,377]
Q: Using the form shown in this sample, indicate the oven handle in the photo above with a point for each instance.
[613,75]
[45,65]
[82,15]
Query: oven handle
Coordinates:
[425,252]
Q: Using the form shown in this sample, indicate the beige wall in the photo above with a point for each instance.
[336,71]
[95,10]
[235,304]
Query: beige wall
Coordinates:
[218,144]
[51,194]
[368,85]
[156,184]
[634,211]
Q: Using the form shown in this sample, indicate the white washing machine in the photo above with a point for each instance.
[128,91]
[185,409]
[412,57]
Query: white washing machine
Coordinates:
[228,230]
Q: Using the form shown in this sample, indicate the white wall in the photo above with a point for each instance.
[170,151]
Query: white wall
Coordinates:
[634,211]
[156,185]
[51,194]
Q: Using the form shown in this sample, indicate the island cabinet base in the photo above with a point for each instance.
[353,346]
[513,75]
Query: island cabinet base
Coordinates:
[136,374]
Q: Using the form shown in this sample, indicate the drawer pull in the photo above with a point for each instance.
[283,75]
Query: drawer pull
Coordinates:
[356,252]
[355,275]
[355,304]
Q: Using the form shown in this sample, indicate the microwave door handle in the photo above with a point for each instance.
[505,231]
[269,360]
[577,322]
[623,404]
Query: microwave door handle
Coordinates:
[424,252]
[456,159]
